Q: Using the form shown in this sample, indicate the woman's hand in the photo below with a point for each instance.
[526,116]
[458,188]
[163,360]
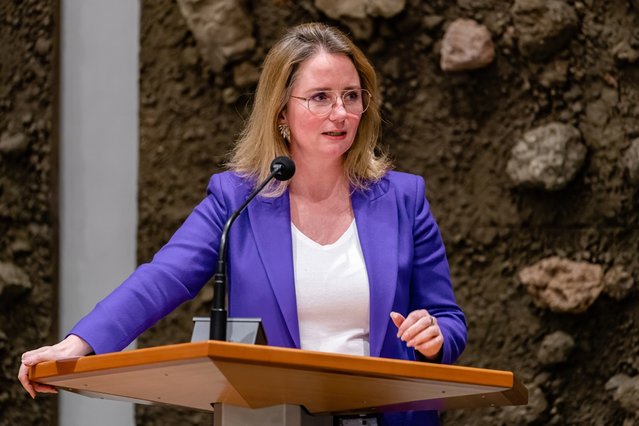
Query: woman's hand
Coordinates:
[420,331]
[72,346]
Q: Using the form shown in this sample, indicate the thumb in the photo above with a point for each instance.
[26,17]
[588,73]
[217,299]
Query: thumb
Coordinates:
[397,318]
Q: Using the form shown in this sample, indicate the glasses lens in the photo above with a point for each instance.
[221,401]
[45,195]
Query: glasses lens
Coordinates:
[322,102]
[354,101]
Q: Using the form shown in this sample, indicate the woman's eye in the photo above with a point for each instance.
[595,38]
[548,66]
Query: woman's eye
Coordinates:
[320,97]
[351,96]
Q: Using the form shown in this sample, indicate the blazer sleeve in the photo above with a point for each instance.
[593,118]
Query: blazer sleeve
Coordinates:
[431,286]
[177,273]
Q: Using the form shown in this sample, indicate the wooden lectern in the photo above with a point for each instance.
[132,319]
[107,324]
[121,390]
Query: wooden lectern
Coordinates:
[249,380]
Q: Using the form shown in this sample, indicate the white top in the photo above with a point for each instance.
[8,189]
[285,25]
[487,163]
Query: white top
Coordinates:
[331,286]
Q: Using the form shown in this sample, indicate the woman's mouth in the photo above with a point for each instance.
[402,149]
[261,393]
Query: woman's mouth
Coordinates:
[335,133]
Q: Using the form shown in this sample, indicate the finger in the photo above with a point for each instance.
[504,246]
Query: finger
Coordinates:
[23,376]
[40,387]
[410,320]
[397,318]
[431,348]
[423,336]
[417,327]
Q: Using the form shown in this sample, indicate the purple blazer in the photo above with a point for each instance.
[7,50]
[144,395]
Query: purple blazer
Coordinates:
[403,251]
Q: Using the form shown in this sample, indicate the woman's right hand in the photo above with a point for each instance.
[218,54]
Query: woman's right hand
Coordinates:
[72,346]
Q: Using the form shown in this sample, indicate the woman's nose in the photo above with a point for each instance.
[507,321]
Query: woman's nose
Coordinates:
[338,111]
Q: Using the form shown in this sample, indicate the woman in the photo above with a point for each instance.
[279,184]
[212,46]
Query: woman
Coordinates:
[345,257]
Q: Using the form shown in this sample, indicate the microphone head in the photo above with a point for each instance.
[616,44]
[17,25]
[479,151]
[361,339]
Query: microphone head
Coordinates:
[284,167]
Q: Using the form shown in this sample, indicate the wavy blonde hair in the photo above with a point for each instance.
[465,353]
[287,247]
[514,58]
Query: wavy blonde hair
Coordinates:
[260,141]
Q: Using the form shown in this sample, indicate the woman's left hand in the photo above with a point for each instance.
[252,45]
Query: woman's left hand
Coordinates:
[420,331]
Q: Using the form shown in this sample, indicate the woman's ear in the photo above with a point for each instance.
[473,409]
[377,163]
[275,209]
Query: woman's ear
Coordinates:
[282,118]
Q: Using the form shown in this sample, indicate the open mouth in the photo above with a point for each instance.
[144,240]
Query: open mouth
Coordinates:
[335,133]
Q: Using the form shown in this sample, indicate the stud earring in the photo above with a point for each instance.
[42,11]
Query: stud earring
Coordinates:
[285,131]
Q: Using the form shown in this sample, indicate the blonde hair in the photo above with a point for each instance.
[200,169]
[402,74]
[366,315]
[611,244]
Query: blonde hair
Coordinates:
[260,141]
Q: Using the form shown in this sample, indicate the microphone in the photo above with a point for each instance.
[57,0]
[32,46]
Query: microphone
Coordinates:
[282,169]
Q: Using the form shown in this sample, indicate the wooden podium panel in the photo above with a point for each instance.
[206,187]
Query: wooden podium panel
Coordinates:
[196,375]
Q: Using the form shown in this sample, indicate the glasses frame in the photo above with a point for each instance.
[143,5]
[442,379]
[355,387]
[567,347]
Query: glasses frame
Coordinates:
[341,96]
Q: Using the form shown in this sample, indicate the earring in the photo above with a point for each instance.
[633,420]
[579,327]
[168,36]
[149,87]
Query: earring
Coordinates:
[285,131]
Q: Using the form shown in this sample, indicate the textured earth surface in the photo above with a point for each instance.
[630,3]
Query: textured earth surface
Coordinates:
[456,129]
[28,214]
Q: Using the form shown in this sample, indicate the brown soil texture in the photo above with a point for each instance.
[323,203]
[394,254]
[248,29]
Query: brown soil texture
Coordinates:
[28,215]
[457,131]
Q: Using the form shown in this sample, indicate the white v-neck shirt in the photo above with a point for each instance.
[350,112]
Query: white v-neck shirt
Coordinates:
[332,291]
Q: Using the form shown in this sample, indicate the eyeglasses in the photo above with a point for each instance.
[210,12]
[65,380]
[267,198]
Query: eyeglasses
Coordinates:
[355,101]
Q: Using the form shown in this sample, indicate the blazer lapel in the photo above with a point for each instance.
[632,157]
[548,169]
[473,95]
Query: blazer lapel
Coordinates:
[377,225]
[271,225]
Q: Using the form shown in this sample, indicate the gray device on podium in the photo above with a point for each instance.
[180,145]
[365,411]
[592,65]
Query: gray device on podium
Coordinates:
[238,330]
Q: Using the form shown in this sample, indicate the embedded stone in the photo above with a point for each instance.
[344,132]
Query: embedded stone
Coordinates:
[385,8]
[624,52]
[543,26]
[547,157]
[43,45]
[555,348]
[562,285]
[337,9]
[432,22]
[360,9]
[361,29]
[221,28]
[630,161]
[14,282]
[555,74]
[16,142]
[618,283]
[245,74]
[466,45]
[20,246]
[625,391]
[230,95]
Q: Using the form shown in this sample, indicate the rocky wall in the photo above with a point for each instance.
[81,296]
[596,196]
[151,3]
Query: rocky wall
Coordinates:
[28,211]
[523,117]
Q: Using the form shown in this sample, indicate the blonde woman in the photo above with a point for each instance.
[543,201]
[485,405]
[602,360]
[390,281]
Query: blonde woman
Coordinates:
[345,257]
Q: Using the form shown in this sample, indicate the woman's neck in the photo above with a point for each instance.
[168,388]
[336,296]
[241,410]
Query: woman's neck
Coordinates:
[320,200]
[319,180]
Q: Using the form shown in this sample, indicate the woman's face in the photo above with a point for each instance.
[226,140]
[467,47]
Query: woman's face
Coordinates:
[325,136]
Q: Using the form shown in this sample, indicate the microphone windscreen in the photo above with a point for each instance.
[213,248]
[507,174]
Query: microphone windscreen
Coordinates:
[286,168]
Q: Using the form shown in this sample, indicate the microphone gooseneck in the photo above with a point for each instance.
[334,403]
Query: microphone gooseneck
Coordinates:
[282,169]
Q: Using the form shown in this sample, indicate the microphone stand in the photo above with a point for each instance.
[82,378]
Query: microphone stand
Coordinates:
[219,314]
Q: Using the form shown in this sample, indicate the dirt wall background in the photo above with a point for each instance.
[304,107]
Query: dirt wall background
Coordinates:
[570,62]
[457,129]
[28,211]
